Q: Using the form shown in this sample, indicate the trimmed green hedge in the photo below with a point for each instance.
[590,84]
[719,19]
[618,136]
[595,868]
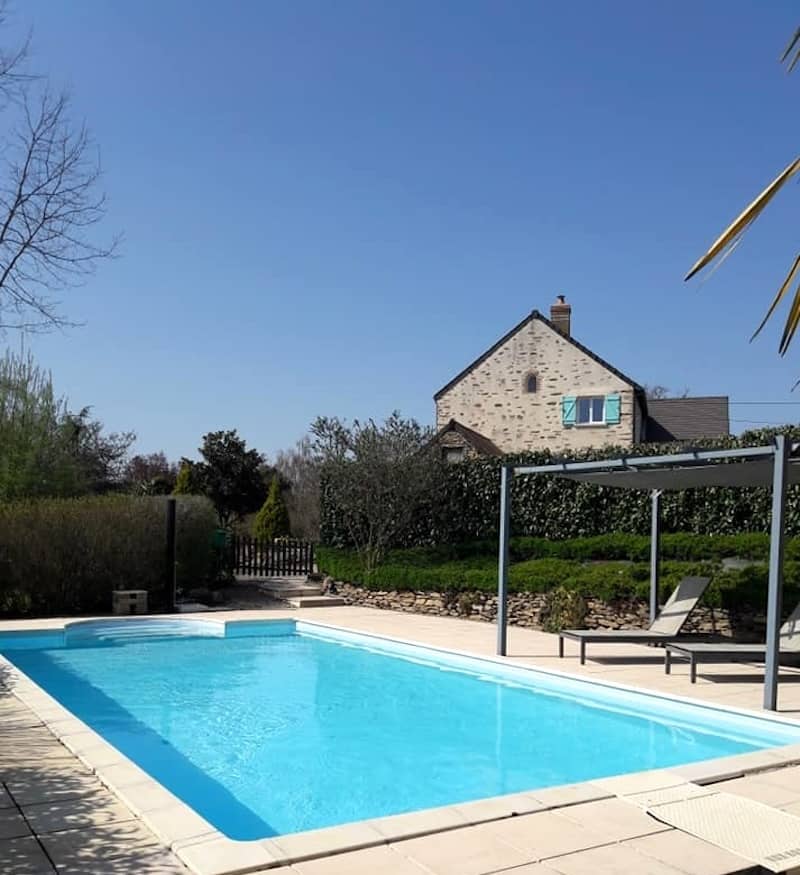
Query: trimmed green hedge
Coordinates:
[582,567]
[466,508]
[65,556]
[635,548]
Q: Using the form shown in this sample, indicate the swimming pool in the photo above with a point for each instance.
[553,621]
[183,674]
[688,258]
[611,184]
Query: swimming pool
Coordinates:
[267,728]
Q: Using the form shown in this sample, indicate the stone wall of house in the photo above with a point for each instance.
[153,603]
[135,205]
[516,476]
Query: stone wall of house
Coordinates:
[492,399]
[524,609]
[452,440]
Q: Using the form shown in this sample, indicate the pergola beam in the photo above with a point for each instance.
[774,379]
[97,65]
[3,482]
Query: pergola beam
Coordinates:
[503,559]
[775,589]
[645,461]
[655,550]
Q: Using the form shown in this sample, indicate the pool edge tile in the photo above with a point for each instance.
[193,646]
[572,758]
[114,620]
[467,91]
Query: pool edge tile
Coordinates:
[723,768]
[640,782]
[219,855]
[499,807]
[789,754]
[298,846]
[411,824]
[563,795]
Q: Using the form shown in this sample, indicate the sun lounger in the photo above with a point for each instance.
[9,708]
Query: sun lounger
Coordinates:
[789,636]
[666,626]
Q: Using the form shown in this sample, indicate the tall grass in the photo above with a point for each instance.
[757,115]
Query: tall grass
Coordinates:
[66,556]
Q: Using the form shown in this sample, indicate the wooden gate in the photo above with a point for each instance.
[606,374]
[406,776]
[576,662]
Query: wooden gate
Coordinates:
[259,557]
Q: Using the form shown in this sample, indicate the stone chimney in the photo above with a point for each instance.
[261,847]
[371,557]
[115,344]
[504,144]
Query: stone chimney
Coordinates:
[560,313]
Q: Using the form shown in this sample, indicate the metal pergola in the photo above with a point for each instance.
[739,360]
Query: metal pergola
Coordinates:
[773,466]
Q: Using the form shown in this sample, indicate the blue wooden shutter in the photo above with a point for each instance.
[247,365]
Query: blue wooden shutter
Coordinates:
[568,409]
[612,409]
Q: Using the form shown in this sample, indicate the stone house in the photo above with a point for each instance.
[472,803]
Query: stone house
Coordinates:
[539,388]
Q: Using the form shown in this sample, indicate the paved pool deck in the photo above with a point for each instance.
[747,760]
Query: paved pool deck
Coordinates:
[65,809]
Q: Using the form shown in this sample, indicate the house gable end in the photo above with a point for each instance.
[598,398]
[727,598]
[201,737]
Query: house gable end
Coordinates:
[535,314]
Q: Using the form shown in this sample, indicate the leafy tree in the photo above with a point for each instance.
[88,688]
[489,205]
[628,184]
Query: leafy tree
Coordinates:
[272,520]
[231,475]
[189,480]
[377,476]
[102,457]
[730,238]
[35,457]
[44,449]
[150,474]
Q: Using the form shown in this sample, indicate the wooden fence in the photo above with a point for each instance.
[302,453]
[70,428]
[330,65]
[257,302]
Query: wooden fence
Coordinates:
[257,557]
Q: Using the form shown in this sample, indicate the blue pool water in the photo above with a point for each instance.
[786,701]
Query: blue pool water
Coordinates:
[273,729]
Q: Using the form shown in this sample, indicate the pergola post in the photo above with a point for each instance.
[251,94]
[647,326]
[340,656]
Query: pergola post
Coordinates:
[775,590]
[506,474]
[655,549]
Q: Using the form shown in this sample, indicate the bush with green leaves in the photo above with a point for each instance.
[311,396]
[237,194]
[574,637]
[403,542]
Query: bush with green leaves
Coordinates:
[65,556]
[463,502]
[272,520]
[46,450]
[581,566]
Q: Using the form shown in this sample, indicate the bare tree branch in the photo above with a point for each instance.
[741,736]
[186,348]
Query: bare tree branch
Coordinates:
[50,199]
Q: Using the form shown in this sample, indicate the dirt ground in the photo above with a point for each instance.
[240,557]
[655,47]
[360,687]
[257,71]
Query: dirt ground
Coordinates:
[247,596]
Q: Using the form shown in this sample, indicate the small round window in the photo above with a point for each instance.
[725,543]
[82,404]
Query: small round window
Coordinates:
[530,383]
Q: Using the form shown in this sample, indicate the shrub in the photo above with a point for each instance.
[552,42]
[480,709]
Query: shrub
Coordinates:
[465,604]
[563,609]
[463,501]
[272,520]
[65,556]
[434,569]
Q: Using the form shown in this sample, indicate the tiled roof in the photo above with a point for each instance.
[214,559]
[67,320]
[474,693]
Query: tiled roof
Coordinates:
[681,419]
[480,443]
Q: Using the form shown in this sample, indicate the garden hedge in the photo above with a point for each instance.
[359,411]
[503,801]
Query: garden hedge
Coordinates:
[65,556]
[608,569]
[466,508]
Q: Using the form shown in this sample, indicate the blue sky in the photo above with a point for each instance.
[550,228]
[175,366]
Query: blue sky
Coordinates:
[332,208]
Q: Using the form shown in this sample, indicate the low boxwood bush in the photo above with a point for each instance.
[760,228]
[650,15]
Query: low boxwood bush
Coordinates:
[65,556]
[608,567]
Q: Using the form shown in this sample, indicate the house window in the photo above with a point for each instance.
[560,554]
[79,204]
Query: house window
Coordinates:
[453,454]
[530,383]
[591,411]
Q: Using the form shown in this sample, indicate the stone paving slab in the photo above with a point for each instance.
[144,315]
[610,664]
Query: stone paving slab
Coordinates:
[608,860]
[12,824]
[692,856]
[97,809]
[55,812]
[24,856]
[371,861]
[470,851]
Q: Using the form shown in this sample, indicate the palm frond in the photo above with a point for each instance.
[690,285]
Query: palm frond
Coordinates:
[793,42]
[745,218]
[781,292]
[792,321]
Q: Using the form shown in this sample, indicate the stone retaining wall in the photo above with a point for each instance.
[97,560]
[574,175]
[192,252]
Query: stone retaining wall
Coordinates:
[524,609]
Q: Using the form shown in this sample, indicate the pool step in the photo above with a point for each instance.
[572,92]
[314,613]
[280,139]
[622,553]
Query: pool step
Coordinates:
[316,601]
[289,587]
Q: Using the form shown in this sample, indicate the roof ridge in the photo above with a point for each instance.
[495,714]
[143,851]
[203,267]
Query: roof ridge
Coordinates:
[691,398]
[536,314]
